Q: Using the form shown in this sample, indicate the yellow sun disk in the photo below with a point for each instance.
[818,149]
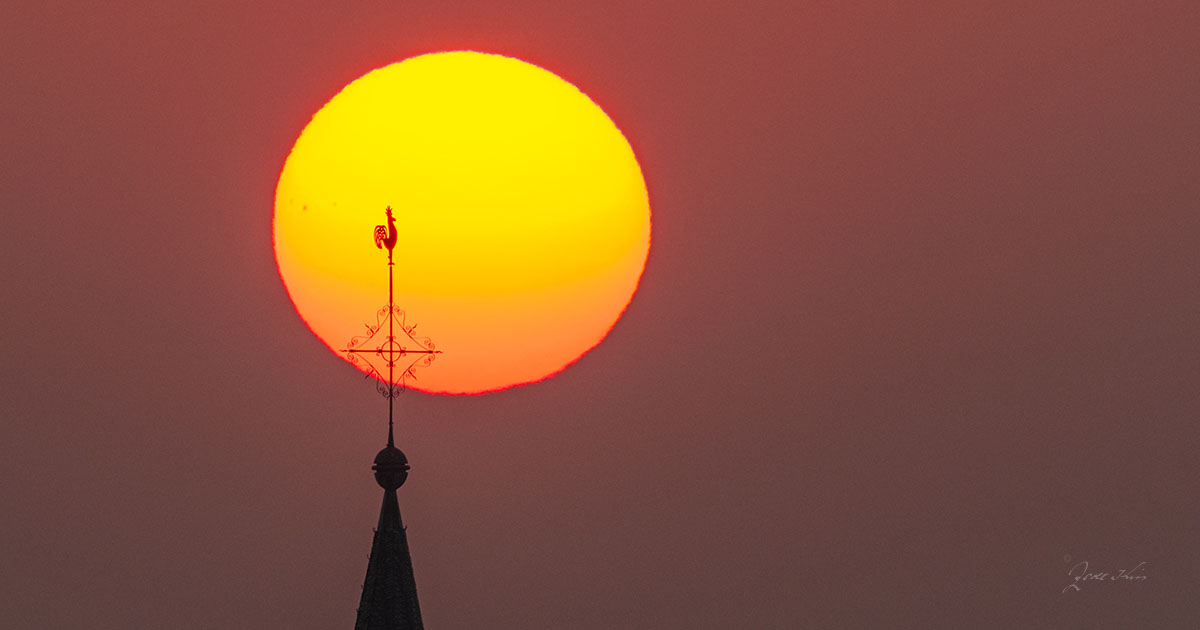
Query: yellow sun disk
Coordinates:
[522,216]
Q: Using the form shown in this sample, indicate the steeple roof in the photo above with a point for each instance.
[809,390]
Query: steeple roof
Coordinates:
[389,597]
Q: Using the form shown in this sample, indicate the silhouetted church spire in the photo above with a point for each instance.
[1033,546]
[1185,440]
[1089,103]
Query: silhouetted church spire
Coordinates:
[389,596]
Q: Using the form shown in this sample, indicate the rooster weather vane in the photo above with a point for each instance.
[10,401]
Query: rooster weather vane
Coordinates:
[390,342]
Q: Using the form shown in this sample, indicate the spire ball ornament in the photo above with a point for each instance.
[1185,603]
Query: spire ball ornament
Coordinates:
[391,468]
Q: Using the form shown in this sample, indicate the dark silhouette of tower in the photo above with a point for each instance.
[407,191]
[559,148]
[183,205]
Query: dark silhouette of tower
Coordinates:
[389,597]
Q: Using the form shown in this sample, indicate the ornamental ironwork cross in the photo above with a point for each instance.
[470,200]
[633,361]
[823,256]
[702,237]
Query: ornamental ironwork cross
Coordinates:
[391,350]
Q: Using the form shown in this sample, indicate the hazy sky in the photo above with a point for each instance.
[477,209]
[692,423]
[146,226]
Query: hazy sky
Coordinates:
[919,331]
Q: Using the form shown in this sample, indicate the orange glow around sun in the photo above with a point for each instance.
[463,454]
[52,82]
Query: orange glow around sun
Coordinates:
[522,217]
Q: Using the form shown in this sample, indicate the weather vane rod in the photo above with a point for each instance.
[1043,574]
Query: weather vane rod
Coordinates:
[390,349]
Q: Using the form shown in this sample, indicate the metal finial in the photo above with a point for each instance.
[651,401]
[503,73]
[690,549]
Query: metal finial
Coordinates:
[405,350]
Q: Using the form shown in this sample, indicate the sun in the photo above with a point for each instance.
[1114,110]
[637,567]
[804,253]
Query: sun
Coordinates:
[523,223]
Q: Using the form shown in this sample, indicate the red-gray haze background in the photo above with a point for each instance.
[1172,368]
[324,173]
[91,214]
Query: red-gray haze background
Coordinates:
[921,319]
